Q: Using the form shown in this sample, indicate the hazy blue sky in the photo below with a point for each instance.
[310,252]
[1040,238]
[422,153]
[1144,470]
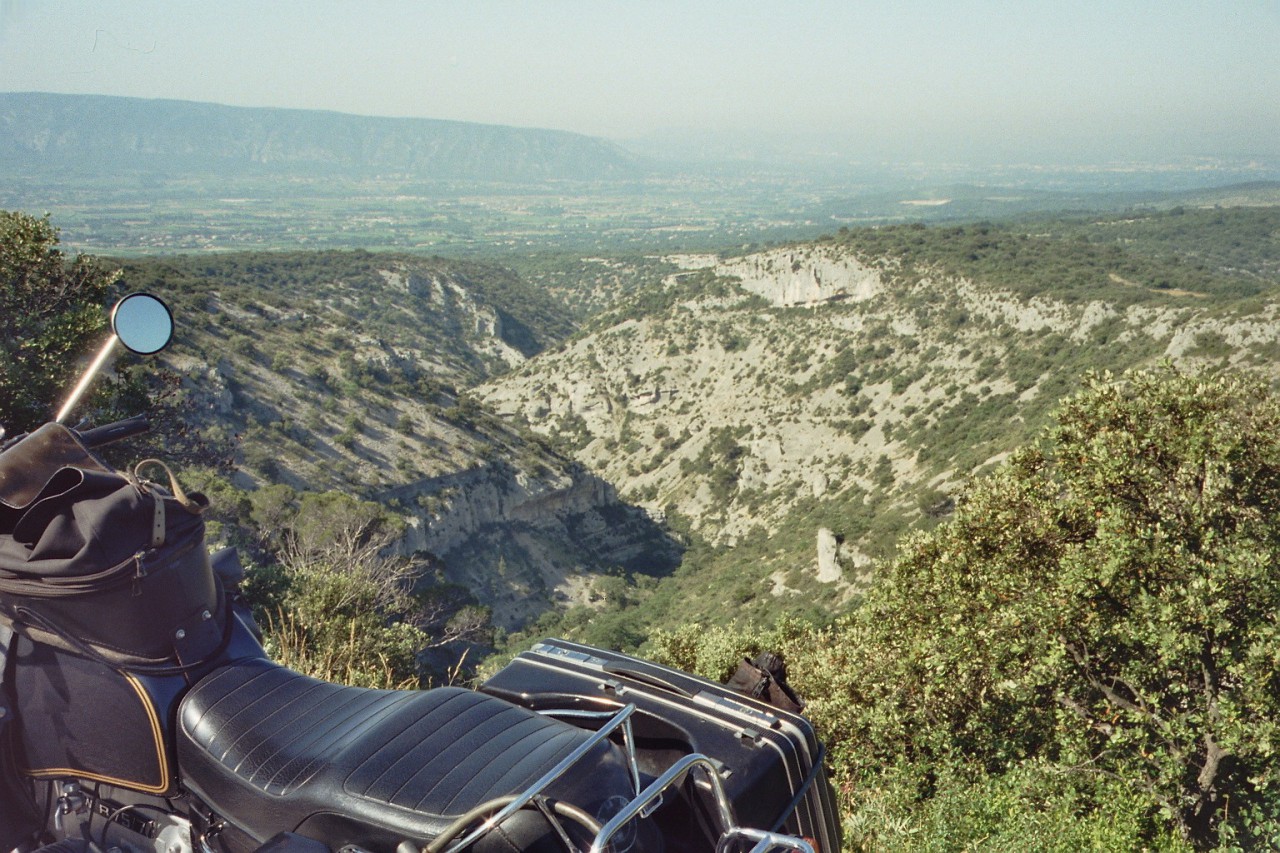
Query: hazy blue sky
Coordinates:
[970,79]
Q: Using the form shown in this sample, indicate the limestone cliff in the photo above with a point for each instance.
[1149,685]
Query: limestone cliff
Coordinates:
[804,275]
[354,378]
[524,544]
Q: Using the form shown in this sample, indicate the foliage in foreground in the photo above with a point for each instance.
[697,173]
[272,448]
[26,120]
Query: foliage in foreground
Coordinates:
[333,601]
[1092,641]
[50,313]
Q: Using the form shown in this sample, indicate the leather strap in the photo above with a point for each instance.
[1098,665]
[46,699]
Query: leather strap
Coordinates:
[175,488]
[192,506]
[157,521]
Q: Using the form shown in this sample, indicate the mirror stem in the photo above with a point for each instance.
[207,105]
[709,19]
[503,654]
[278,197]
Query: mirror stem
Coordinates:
[98,361]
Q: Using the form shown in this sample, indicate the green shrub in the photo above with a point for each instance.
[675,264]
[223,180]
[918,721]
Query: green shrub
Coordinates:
[1104,603]
[1082,657]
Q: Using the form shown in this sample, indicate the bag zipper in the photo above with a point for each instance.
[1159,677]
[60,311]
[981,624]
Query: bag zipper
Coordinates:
[132,569]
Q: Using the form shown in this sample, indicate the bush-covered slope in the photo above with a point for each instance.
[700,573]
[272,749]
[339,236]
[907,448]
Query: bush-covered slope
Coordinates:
[350,372]
[852,385]
[1083,657]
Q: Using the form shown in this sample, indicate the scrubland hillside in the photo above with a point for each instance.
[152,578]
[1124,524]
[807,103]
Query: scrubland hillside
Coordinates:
[1019,620]
[771,422]
[794,411]
[349,372]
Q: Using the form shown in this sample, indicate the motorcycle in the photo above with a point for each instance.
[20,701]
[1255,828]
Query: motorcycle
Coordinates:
[140,713]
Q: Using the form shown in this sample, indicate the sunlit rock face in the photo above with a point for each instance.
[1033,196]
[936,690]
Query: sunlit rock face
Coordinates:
[804,276]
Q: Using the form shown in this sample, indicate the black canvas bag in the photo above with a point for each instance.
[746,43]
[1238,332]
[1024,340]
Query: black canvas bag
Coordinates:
[103,563]
[105,580]
[18,819]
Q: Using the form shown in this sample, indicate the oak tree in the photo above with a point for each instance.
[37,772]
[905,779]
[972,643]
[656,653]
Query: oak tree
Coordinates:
[1107,602]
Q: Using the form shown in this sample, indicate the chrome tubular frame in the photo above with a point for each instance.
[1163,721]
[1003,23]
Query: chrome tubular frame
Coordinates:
[652,793]
[551,775]
[645,802]
[765,841]
[730,831]
[628,734]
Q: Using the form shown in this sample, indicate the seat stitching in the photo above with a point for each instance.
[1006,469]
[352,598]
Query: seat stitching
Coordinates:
[542,758]
[420,743]
[341,741]
[495,788]
[225,695]
[312,718]
[258,732]
[479,731]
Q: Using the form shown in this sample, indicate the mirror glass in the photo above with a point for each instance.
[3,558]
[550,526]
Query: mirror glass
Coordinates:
[143,323]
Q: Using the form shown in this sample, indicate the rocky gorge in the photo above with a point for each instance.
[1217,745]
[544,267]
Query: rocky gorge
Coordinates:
[788,412]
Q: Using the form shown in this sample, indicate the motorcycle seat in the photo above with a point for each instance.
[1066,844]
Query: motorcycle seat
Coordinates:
[269,750]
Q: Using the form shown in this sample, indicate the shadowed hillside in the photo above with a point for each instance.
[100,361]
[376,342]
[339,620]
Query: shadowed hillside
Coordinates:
[348,372]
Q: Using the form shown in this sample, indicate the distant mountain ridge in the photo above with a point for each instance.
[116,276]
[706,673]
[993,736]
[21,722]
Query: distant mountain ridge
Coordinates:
[93,133]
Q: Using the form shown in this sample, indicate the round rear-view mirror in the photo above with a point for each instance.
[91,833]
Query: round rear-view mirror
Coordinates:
[143,323]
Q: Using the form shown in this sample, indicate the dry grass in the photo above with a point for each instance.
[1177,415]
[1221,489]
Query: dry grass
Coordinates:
[291,644]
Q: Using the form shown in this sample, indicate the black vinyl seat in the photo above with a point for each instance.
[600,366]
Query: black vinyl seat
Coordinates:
[272,750]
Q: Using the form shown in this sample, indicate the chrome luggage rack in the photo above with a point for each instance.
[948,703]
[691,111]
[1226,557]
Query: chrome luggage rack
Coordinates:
[644,802]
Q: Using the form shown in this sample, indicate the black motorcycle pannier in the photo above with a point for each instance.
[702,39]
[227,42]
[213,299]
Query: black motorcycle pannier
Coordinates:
[102,563]
[771,759]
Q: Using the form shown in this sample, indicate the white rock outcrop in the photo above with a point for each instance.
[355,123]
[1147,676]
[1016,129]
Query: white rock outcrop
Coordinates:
[829,570]
[804,276]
